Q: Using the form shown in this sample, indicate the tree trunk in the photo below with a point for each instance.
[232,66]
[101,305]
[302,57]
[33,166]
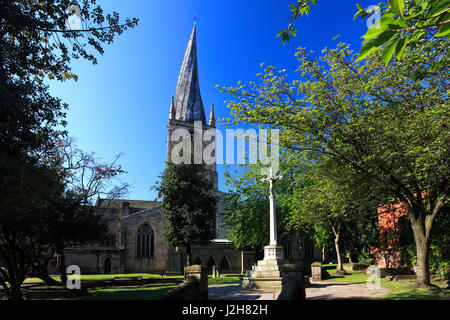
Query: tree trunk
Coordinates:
[47,279]
[188,254]
[62,265]
[323,254]
[423,249]
[336,232]
[40,270]
[16,293]
[338,254]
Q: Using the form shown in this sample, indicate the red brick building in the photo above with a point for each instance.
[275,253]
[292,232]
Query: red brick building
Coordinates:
[389,220]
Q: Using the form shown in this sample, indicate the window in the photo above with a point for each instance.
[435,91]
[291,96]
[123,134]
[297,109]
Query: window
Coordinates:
[145,242]
[108,242]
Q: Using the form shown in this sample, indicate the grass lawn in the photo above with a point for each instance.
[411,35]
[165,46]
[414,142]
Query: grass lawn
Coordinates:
[351,277]
[106,276]
[400,290]
[143,293]
[224,280]
[149,293]
[405,291]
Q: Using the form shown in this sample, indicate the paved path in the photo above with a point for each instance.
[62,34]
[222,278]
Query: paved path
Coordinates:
[328,290]
[318,291]
[235,292]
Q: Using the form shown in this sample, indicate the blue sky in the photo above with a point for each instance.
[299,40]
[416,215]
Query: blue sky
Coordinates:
[121,105]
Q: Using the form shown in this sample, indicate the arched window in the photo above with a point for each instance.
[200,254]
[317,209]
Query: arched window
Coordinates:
[211,263]
[145,242]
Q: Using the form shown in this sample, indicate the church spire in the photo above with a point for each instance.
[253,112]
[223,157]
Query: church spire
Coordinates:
[212,117]
[188,101]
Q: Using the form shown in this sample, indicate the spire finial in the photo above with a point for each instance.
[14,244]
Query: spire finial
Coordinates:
[212,117]
[172,110]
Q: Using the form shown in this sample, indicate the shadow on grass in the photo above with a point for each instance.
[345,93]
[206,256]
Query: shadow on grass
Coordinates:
[127,294]
[417,294]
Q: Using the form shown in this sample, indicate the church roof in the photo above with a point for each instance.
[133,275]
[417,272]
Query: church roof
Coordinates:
[188,101]
[118,203]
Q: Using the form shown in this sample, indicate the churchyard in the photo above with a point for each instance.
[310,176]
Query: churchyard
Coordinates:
[353,202]
[393,289]
[138,286]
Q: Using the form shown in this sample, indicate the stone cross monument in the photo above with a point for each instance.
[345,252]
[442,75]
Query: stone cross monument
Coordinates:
[273,219]
[273,250]
[268,272]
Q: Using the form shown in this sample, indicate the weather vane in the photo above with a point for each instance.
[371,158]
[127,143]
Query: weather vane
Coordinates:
[195,17]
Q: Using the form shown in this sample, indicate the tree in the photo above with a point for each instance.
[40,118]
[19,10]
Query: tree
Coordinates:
[402,24]
[74,220]
[188,205]
[58,211]
[323,237]
[247,213]
[333,197]
[23,239]
[68,221]
[37,42]
[390,125]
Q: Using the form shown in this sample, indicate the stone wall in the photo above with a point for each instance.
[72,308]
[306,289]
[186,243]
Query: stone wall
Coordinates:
[222,254]
[92,259]
[194,287]
[129,229]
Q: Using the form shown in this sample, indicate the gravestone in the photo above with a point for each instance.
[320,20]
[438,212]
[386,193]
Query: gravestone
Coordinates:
[316,271]
[174,264]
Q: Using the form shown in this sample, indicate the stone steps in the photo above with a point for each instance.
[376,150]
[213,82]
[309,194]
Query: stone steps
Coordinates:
[266,274]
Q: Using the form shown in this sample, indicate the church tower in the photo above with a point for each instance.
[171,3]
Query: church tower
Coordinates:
[186,108]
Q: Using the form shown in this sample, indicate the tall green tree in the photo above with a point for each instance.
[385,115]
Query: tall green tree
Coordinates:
[390,125]
[188,204]
[38,42]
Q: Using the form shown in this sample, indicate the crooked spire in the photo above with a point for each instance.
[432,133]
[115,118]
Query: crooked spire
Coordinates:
[188,101]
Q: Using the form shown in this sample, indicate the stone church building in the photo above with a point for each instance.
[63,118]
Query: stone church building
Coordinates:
[136,228]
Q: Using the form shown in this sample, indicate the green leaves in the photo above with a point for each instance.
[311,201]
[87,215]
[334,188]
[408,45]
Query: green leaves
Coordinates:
[397,6]
[438,8]
[400,47]
[302,7]
[187,203]
[408,21]
[403,26]
[374,42]
[389,48]
[443,31]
